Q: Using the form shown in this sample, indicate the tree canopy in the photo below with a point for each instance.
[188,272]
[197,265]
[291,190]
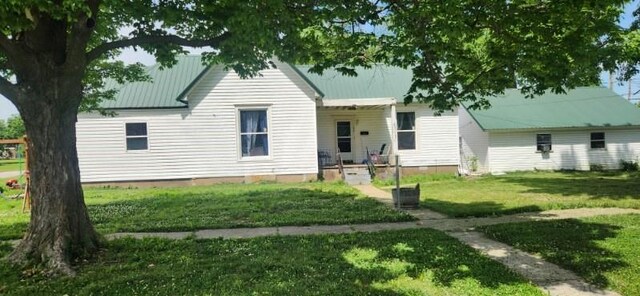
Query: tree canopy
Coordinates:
[13,128]
[55,56]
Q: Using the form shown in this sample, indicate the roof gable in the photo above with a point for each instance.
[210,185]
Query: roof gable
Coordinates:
[165,90]
[579,108]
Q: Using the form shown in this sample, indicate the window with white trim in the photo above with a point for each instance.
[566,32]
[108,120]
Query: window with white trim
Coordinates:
[543,142]
[406,130]
[597,140]
[254,132]
[137,136]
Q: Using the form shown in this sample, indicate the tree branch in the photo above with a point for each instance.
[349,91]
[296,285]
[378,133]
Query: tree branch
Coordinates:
[5,44]
[9,90]
[151,39]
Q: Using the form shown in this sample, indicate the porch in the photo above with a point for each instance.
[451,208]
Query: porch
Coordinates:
[361,129]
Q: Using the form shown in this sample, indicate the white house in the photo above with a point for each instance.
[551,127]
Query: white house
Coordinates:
[206,124]
[587,126]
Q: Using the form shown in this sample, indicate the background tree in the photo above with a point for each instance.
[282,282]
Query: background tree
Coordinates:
[56,54]
[14,128]
[3,128]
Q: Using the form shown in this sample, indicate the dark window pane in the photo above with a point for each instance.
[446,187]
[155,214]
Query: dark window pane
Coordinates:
[597,136]
[406,140]
[255,145]
[344,144]
[543,138]
[136,129]
[597,144]
[253,121]
[406,120]
[137,144]
[344,129]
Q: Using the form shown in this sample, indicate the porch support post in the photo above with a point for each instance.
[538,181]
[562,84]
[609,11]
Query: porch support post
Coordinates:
[394,133]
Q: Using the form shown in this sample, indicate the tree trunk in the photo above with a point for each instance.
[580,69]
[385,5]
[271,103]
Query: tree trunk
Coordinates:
[60,230]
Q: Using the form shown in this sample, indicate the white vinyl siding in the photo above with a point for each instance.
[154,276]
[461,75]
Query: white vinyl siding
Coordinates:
[515,151]
[475,142]
[202,141]
[436,138]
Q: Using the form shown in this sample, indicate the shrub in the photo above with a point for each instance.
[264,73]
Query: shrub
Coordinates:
[629,166]
[596,167]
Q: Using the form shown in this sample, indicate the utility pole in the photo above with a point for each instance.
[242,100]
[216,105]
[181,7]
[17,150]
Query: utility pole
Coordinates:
[629,90]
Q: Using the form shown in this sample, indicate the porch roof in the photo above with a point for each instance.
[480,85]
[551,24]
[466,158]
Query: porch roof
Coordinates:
[377,82]
[357,103]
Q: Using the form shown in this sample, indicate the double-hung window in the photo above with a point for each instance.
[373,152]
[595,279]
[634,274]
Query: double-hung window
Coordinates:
[254,132]
[597,140]
[137,136]
[406,130]
[543,142]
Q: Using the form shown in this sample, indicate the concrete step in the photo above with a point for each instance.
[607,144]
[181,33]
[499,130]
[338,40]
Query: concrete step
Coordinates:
[357,176]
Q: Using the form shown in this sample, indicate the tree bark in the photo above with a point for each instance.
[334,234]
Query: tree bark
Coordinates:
[60,230]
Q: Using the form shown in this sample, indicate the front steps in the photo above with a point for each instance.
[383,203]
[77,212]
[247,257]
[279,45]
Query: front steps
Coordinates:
[357,175]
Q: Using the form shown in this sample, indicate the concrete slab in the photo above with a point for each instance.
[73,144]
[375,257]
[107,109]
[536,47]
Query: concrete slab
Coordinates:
[141,235]
[236,233]
[318,229]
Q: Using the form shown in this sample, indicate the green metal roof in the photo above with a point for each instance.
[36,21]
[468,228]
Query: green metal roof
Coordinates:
[579,108]
[166,89]
[376,82]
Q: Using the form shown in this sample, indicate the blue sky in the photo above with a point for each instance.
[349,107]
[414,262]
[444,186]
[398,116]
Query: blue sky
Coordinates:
[130,56]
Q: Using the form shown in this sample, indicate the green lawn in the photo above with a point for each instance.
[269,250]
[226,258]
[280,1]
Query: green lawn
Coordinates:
[7,165]
[411,262]
[603,250]
[218,206]
[525,192]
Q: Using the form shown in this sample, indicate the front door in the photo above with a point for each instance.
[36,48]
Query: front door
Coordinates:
[343,133]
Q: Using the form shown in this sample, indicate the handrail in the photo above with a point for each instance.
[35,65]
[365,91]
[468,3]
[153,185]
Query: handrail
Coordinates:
[370,165]
[340,164]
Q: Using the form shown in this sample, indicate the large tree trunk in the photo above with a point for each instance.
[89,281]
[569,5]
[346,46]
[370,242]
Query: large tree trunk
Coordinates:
[60,229]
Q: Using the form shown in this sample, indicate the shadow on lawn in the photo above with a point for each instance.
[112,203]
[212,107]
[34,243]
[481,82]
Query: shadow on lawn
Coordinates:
[405,262]
[475,209]
[615,185]
[570,243]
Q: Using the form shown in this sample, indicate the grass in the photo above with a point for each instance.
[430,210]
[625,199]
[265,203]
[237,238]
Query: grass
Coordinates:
[525,192]
[411,262]
[219,206]
[7,165]
[603,250]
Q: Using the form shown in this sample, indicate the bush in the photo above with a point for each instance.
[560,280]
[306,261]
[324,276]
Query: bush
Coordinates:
[596,167]
[629,166]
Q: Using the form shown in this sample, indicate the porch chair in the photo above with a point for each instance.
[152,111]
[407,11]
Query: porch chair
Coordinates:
[379,157]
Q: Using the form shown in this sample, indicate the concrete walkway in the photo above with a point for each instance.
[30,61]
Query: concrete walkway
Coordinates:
[551,278]
[9,174]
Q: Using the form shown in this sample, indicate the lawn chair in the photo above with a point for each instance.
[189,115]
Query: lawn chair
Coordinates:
[378,157]
[382,157]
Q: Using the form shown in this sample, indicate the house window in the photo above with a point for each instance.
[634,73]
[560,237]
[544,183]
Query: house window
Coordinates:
[597,141]
[543,142]
[137,137]
[406,130]
[254,132]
